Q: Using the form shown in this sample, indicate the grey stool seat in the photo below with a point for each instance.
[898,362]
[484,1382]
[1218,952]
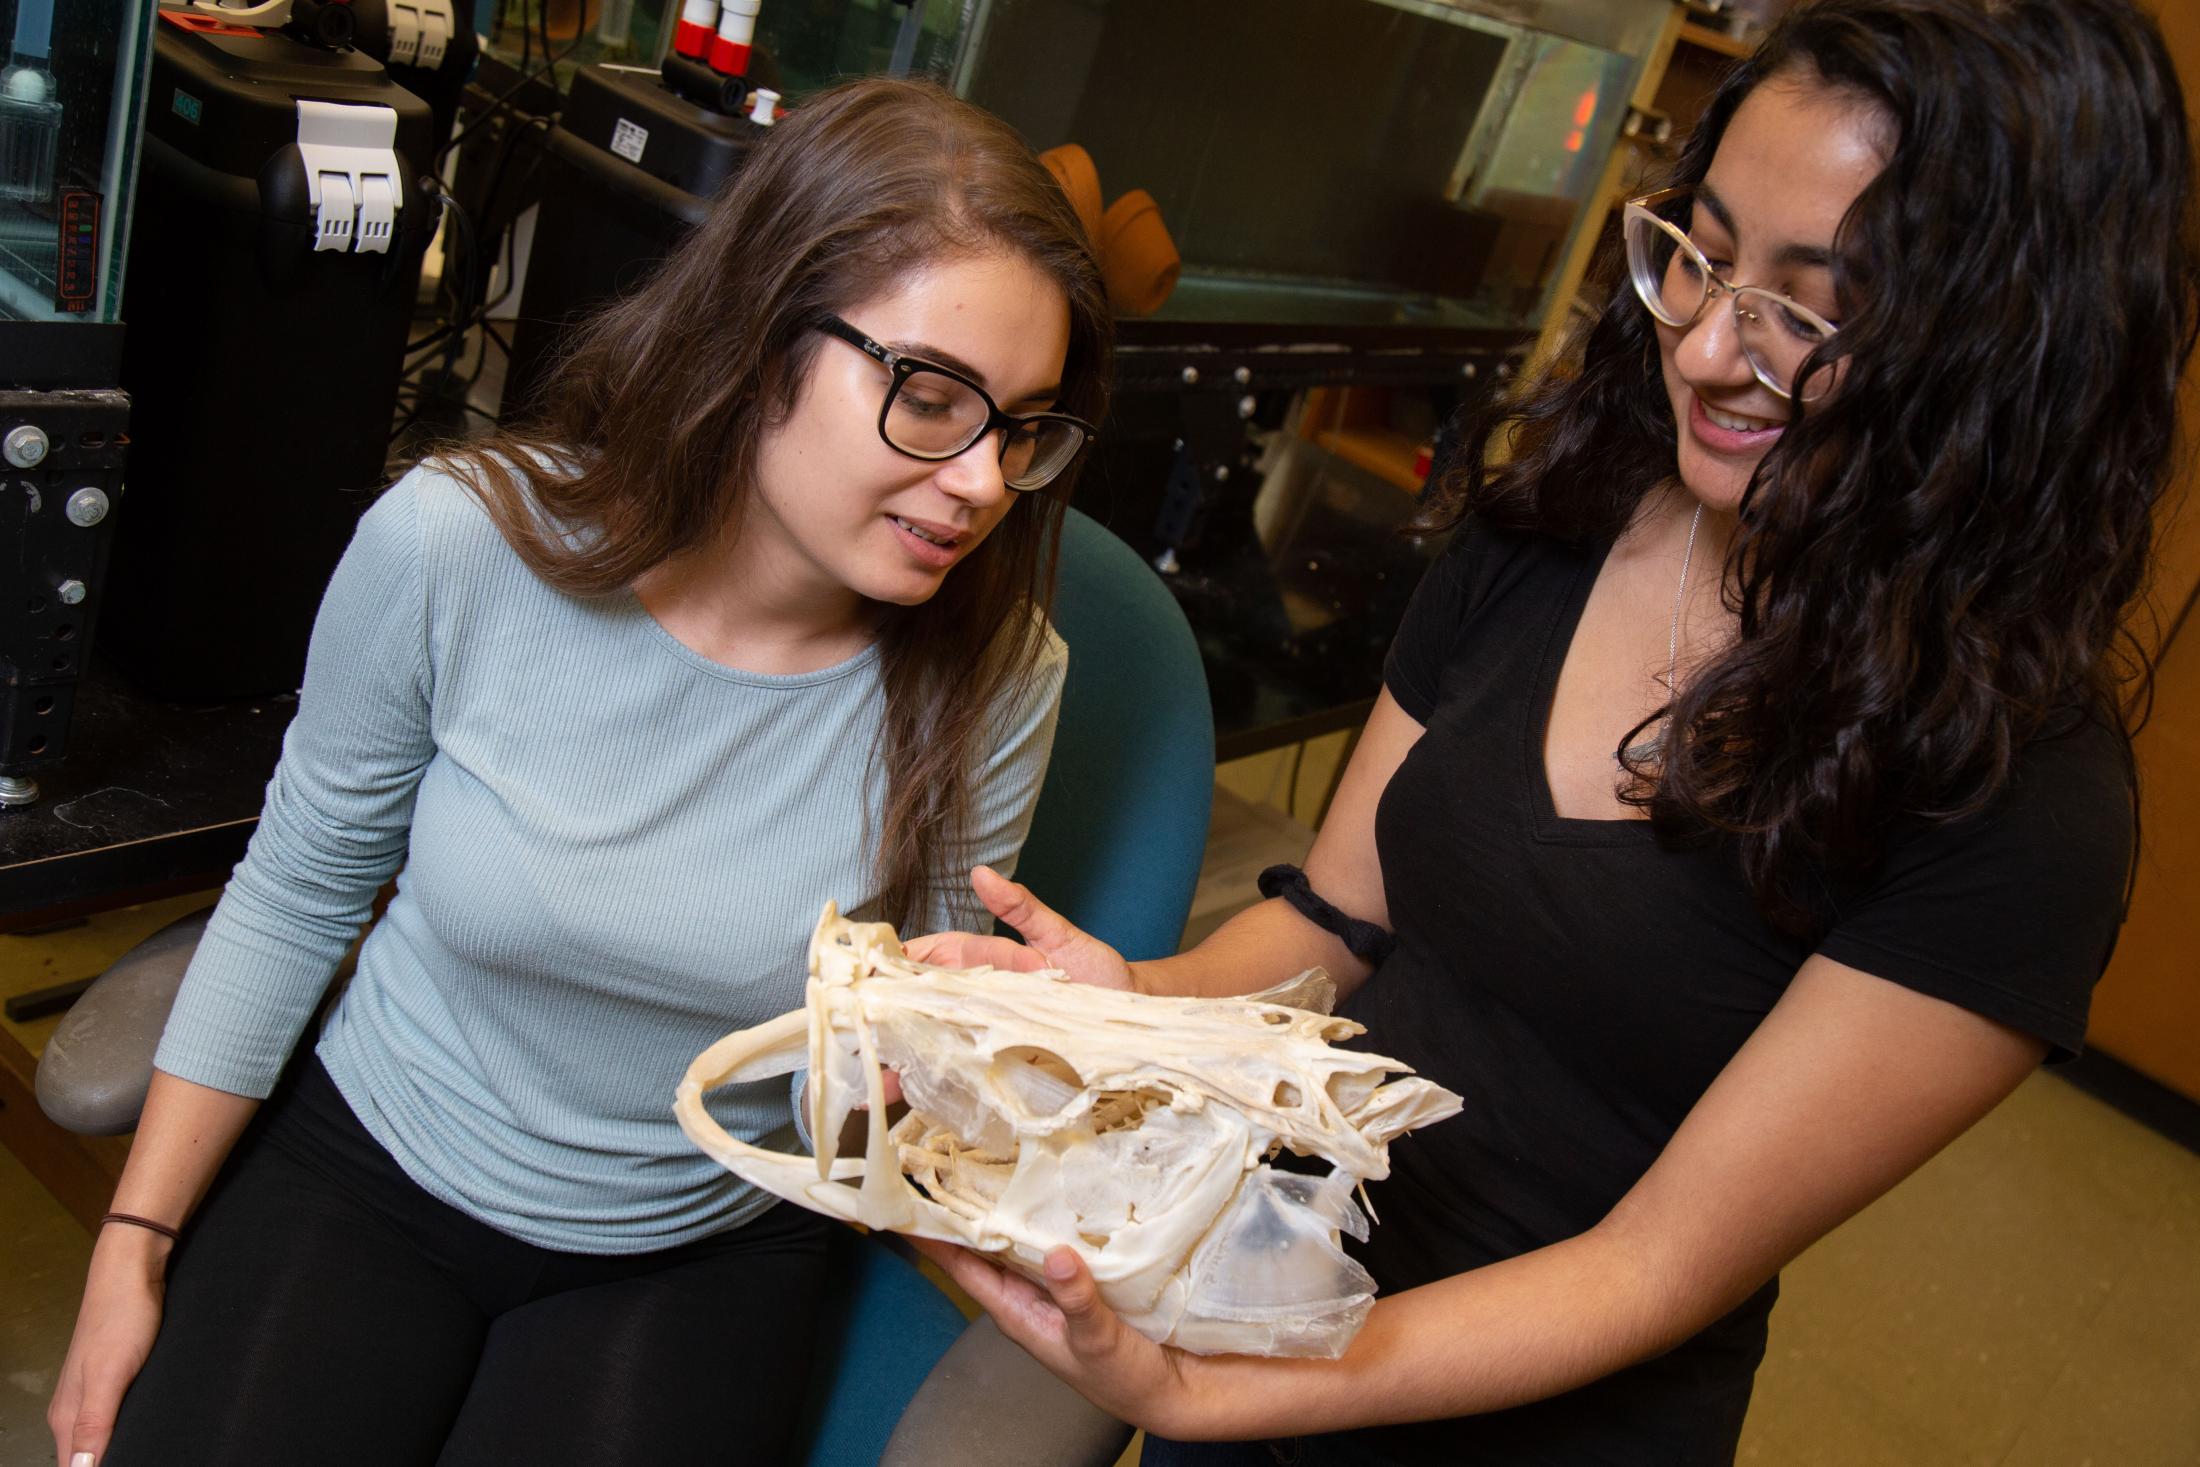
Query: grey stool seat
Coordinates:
[988,1404]
[95,1070]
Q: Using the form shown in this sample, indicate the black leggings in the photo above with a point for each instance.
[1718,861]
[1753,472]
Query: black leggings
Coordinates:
[322,1308]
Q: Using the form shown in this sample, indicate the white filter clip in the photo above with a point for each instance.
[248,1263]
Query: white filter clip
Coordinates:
[270,14]
[420,32]
[437,25]
[351,175]
[404,33]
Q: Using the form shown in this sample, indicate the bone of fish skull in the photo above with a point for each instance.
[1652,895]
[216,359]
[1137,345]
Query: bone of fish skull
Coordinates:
[1131,1128]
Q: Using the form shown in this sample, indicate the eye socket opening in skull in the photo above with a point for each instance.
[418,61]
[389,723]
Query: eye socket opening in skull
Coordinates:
[1350,1091]
[1287,1096]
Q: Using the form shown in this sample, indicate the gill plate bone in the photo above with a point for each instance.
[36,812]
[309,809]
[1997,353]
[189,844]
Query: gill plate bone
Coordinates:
[1134,1129]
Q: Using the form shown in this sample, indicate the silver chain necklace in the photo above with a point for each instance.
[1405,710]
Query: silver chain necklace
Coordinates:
[1653,745]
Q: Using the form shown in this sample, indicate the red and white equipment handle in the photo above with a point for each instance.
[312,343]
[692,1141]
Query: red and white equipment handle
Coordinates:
[729,54]
[698,18]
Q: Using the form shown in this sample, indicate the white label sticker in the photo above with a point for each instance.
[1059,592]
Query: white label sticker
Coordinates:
[627,140]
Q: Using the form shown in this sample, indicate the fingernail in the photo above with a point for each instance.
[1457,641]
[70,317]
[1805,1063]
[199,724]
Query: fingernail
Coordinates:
[1061,1264]
[83,1459]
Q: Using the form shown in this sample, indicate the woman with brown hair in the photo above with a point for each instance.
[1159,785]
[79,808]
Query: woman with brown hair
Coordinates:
[749,617]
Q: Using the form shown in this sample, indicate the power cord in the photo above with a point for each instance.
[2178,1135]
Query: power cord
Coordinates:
[467,315]
[504,99]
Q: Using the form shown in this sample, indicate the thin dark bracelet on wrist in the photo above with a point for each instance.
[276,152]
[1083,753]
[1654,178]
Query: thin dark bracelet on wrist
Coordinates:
[1364,940]
[143,1222]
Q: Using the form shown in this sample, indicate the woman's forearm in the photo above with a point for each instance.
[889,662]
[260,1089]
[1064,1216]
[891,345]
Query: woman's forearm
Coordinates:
[1262,945]
[183,1136]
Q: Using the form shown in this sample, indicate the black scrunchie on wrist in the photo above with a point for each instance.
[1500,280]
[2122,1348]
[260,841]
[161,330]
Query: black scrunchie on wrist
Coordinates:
[1366,941]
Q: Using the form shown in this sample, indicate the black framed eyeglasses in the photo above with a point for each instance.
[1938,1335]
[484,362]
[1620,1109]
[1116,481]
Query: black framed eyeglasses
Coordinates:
[935,413]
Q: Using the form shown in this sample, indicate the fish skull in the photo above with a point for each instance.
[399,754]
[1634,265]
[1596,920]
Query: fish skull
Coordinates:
[1132,1128]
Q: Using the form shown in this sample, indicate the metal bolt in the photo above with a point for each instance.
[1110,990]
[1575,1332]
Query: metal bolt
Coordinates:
[1246,404]
[71,593]
[1190,376]
[1468,371]
[15,793]
[1242,376]
[25,447]
[87,507]
[1222,473]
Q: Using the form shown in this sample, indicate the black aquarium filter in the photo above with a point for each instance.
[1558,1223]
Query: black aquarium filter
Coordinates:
[630,167]
[272,270]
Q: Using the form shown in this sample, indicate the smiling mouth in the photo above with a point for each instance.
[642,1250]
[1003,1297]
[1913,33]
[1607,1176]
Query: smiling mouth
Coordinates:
[929,537]
[1736,422]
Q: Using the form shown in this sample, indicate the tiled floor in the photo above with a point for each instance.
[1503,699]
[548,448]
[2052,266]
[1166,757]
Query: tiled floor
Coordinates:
[2029,1299]
[43,1254]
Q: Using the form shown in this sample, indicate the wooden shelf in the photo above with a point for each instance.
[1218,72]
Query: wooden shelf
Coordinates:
[1707,39]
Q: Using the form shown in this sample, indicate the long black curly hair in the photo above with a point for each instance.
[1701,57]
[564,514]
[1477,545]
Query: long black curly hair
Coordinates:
[1938,562]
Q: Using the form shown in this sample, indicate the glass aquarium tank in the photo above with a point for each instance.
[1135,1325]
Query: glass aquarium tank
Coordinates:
[1400,163]
[814,44]
[70,94]
[1335,162]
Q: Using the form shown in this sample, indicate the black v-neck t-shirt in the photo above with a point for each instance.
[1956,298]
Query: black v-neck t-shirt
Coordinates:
[1580,986]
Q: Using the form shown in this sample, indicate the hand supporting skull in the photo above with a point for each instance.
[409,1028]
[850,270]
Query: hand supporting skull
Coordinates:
[1134,1129]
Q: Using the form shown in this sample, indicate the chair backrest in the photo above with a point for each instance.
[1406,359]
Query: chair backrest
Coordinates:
[1115,846]
[1117,840]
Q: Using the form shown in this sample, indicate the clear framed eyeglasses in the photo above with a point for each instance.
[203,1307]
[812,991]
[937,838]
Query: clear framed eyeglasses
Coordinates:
[1675,281]
[935,413]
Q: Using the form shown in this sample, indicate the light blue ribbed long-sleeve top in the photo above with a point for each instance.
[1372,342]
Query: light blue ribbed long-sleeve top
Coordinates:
[613,852]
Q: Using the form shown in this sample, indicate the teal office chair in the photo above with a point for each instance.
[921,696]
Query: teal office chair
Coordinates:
[1121,828]
[1115,845]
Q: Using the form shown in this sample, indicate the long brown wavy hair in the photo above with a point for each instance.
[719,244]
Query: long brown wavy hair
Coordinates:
[1936,564]
[653,417]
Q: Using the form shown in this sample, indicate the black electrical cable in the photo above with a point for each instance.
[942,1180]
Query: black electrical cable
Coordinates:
[469,315]
[504,99]
[489,198]
[467,254]
[489,333]
[434,338]
[542,20]
[504,285]
[504,161]
[420,400]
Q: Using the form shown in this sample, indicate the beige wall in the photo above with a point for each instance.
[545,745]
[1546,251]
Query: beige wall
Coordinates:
[2147,1012]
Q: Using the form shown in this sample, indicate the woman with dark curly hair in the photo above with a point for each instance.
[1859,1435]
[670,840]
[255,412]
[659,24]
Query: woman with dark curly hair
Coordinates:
[1750,804]
[751,617]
